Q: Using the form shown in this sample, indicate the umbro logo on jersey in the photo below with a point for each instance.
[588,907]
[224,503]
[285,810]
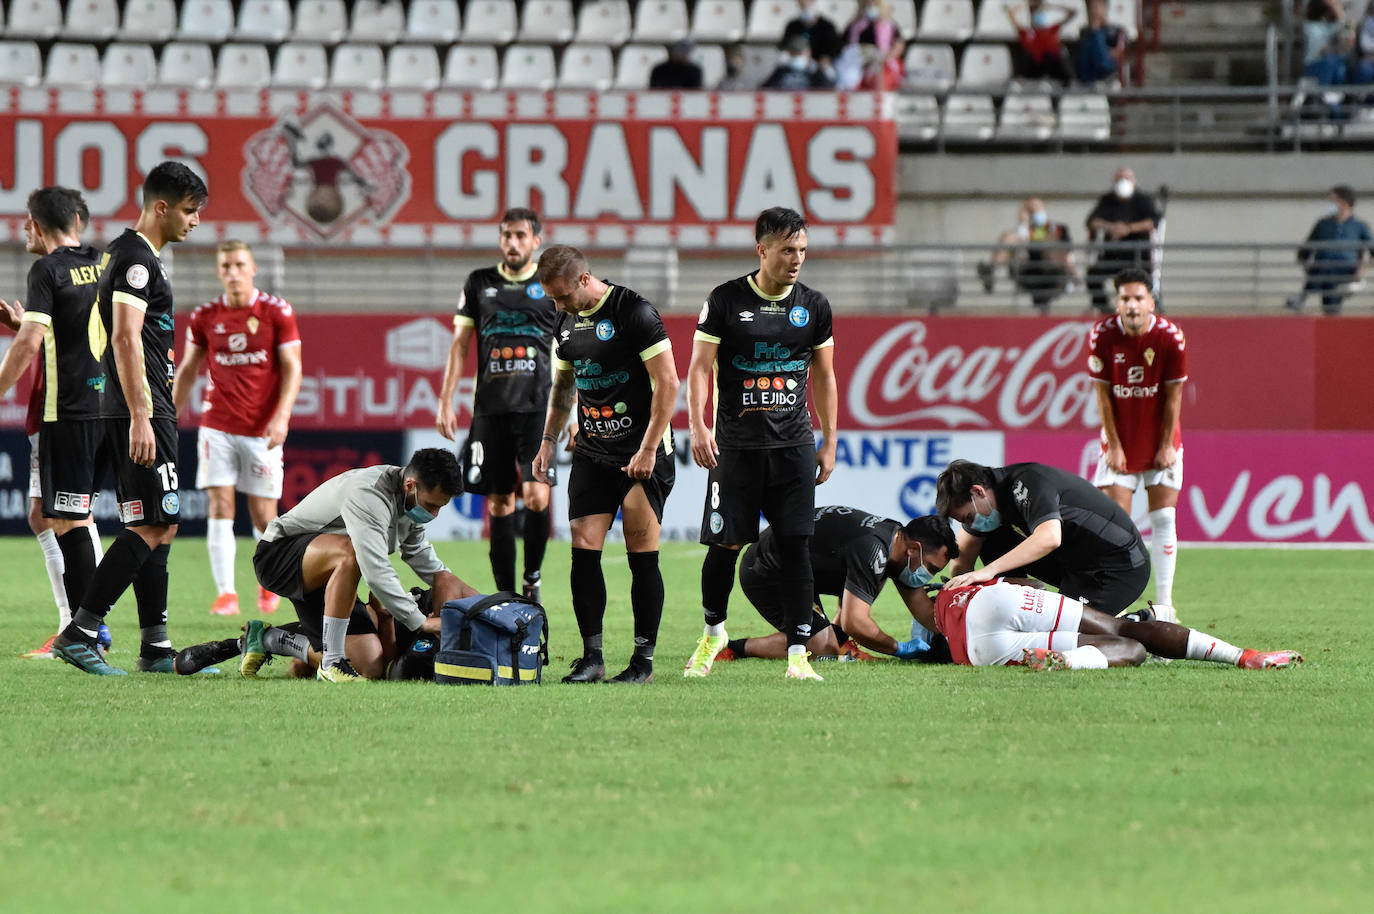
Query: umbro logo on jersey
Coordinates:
[746,316]
[490,292]
[1119,357]
[219,328]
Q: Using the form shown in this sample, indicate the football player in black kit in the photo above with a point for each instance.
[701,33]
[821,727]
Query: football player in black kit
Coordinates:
[762,336]
[612,358]
[134,338]
[507,309]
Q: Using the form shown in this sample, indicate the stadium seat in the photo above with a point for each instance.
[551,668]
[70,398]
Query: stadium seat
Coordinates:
[549,21]
[264,20]
[73,65]
[325,21]
[149,20]
[947,20]
[1125,14]
[968,117]
[918,117]
[357,66]
[985,66]
[382,22]
[128,64]
[471,67]
[759,62]
[186,63]
[903,13]
[412,66]
[604,20]
[528,66]
[91,20]
[635,63]
[206,20]
[586,66]
[490,21]
[1071,28]
[433,21]
[21,63]
[718,20]
[930,67]
[1085,116]
[660,20]
[711,59]
[1026,116]
[301,64]
[34,19]
[993,24]
[767,19]
[242,65]
[842,12]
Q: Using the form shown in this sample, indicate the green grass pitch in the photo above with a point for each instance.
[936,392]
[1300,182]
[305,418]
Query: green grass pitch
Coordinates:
[1186,787]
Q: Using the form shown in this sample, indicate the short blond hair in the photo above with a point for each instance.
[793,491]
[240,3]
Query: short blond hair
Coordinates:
[232,245]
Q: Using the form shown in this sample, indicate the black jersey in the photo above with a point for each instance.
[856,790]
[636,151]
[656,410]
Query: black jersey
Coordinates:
[62,290]
[513,319]
[132,274]
[606,349]
[849,551]
[1097,533]
[764,361]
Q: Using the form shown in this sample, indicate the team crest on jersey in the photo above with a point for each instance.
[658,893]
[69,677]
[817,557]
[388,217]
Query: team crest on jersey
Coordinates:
[252,325]
[325,172]
[799,316]
[137,277]
[717,522]
[1094,363]
[1149,356]
[604,330]
[170,503]
[535,291]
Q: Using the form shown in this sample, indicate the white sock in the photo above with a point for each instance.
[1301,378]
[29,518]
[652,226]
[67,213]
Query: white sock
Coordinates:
[1085,657]
[219,540]
[334,635]
[1202,646]
[95,543]
[1164,553]
[795,650]
[716,631]
[257,535]
[52,560]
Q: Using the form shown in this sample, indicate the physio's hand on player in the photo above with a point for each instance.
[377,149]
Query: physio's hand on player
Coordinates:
[910,650]
[276,432]
[1165,457]
[431,625]
[704,448]
[142,444]
[825,462]
[541,462]
[1116,459]
[11,314]
[447,422]
[641,465]
[977,576]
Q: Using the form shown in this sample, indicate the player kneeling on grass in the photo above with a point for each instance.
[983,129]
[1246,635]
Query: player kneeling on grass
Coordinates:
[853,554]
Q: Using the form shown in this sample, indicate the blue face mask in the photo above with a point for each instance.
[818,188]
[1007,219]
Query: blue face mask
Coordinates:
[917,577]
[1040,20]
[419,514]
[985,523]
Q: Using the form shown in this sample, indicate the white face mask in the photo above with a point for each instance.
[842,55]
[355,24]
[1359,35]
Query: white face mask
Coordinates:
[872,11]
[1124,188]
[808,15]
[1040,217]
[799,62]
[1333,210]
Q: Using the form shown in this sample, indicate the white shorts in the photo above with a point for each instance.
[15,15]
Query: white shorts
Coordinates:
[35,484]
[1171,477]
[1005,619]
[245,463]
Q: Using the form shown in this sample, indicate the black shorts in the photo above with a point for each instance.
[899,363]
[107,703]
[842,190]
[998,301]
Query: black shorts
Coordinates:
[600,488]
[70,456]
[766,593]
[277,566]
[780,482]
[499,452]
[1108,588]
[145,495]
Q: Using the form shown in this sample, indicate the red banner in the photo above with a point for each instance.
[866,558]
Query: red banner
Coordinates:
[689,169]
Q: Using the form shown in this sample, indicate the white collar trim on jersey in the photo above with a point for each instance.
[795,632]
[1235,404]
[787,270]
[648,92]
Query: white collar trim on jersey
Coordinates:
[156,252]
[599,302]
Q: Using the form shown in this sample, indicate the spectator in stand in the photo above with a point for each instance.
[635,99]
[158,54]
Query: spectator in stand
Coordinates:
[798,72]
[873,47]
[1040,53]
[1322,21]
[1363,71]
[1035,254]
[1332,268]
[678,71]
[819,31]
[1123,223]
[1331,67]
[735,79]
[1101,52]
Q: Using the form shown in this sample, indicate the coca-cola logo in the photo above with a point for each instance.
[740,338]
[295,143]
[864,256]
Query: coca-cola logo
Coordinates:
[902,379]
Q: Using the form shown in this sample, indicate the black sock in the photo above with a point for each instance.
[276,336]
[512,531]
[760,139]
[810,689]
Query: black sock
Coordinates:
[588,594]
[286,644]
[717,580]
[536,541]
[503,551]
[737,646]
[112,577]
[646,601]
[841,636]
[150,588]
[798,589]
[78,555]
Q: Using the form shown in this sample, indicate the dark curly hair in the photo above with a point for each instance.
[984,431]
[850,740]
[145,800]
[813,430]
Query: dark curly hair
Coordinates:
[932,532]
[436,468]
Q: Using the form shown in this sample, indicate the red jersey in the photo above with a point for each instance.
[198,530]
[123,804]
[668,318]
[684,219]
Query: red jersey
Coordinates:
[950,608]
[1137,368]
[241,355]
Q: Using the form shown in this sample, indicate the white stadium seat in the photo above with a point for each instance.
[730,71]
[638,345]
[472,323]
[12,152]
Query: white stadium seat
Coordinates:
[186,63]
[947,20]
[903,13]
[490,21]
[635,64]
[412,66]
[549,21]
[993,24]
[930,67]
[918,117]
[264,20]
[660,20]
[325,21]
[206,20]
[21,63]
[357,66]
[711,59]
[34,19]
[382,22]
[149,20]
[842,12]
[1124,14]
[434,21]
[968,117]
[985,66]
[73,65]
[718,20]
[604,20]
[128,64]
[1026,116]
[767,19]
[301,64]
[243,65]
[91,20]
[528,66]
[1084,116]
[586,66]
[471,66]
[1070,29]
